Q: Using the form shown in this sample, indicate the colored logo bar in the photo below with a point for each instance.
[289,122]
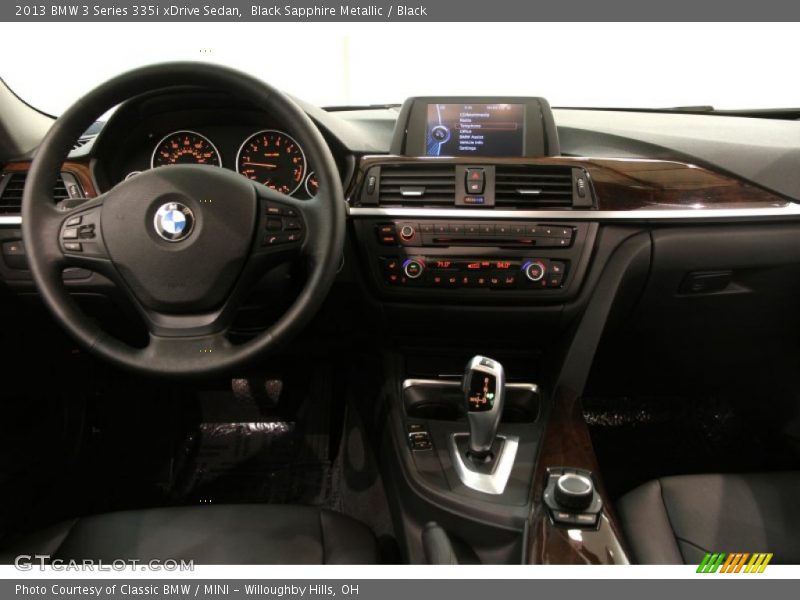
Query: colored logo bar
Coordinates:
[735,562]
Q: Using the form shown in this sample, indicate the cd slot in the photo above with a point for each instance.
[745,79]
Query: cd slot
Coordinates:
[488,241]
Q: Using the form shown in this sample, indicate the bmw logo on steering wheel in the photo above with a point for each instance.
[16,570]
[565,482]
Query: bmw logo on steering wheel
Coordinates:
[174,221]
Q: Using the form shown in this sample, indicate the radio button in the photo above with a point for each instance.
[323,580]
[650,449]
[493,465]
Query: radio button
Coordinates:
[407,233]
[387,234]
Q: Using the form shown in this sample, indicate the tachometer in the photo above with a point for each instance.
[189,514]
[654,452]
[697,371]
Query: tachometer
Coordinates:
[185,147]
[273,158]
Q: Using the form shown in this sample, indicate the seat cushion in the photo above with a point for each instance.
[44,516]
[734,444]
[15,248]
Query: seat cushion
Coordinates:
[223,534]
[680,519]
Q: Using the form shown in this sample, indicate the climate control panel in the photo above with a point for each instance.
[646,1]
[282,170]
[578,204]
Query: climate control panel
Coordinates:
[456,272]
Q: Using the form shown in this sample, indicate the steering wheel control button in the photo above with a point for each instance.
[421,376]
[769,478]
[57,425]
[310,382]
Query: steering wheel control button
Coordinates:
[70,233]
[73,246]
[282,229]
[74,221]
[86,232]
[292,225]
[173,221]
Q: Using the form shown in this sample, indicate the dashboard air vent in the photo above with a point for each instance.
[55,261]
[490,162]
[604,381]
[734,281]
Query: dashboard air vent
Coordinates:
[526,186]
[417,185]
[13,183]
[82,142]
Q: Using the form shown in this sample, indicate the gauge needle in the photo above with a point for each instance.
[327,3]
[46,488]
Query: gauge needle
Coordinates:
[266,165]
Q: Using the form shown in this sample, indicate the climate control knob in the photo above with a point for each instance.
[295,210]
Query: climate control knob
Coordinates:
[535,270]
[413,268]
[407,233]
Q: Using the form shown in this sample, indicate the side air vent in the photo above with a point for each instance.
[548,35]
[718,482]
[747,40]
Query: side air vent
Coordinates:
[13,183]
[417,185]
[529,186]
[82,142]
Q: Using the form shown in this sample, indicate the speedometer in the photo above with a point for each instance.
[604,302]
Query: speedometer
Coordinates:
[273,158]
[185,147]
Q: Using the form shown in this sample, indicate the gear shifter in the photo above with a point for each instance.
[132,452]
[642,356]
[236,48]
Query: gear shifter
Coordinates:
[483,385]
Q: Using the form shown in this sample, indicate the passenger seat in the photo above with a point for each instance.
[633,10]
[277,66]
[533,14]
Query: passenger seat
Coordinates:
[680,519]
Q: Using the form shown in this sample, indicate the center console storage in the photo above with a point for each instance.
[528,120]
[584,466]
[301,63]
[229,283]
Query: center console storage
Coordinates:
[443,399]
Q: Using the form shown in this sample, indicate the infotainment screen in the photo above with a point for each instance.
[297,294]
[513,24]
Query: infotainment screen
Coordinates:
[475,130]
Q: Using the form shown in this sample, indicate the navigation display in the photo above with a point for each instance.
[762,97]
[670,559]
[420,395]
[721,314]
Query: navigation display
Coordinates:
[475,130]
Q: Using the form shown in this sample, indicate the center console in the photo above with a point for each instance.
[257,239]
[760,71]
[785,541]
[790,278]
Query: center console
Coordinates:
[474,208]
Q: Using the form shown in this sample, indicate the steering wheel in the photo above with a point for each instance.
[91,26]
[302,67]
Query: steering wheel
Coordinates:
[185,242]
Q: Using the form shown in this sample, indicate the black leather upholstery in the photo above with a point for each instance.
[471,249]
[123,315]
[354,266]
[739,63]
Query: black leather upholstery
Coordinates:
[679,519]
[224,534]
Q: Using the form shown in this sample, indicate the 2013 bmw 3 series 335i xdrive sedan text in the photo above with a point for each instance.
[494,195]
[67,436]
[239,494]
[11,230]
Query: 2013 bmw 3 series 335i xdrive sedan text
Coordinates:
[240,328]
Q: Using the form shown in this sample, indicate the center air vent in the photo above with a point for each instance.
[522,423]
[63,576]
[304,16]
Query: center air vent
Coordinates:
[527,186]
[12,184]
[417,185]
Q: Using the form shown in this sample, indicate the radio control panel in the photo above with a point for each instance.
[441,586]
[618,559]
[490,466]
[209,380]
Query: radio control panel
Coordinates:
[507,234]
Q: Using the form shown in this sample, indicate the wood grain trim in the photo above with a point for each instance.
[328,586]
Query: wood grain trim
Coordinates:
[79,169]
[625,184]
[567,443]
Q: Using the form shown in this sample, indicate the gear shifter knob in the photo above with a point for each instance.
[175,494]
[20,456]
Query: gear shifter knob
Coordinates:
[484,386]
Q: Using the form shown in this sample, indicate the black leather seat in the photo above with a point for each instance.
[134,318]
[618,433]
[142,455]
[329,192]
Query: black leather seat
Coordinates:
[223,534]
[679,519]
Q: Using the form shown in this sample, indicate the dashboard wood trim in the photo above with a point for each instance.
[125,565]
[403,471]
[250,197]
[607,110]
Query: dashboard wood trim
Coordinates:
[623,184]
[80,170]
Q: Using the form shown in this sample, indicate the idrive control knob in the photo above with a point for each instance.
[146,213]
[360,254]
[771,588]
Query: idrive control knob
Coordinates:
[574,491]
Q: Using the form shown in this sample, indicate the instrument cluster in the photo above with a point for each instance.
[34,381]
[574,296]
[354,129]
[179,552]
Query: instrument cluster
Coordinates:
[268,156]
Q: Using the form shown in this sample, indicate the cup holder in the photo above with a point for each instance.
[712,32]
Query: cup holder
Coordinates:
[442,400]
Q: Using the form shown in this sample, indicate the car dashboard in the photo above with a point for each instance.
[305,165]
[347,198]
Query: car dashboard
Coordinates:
[568,230]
